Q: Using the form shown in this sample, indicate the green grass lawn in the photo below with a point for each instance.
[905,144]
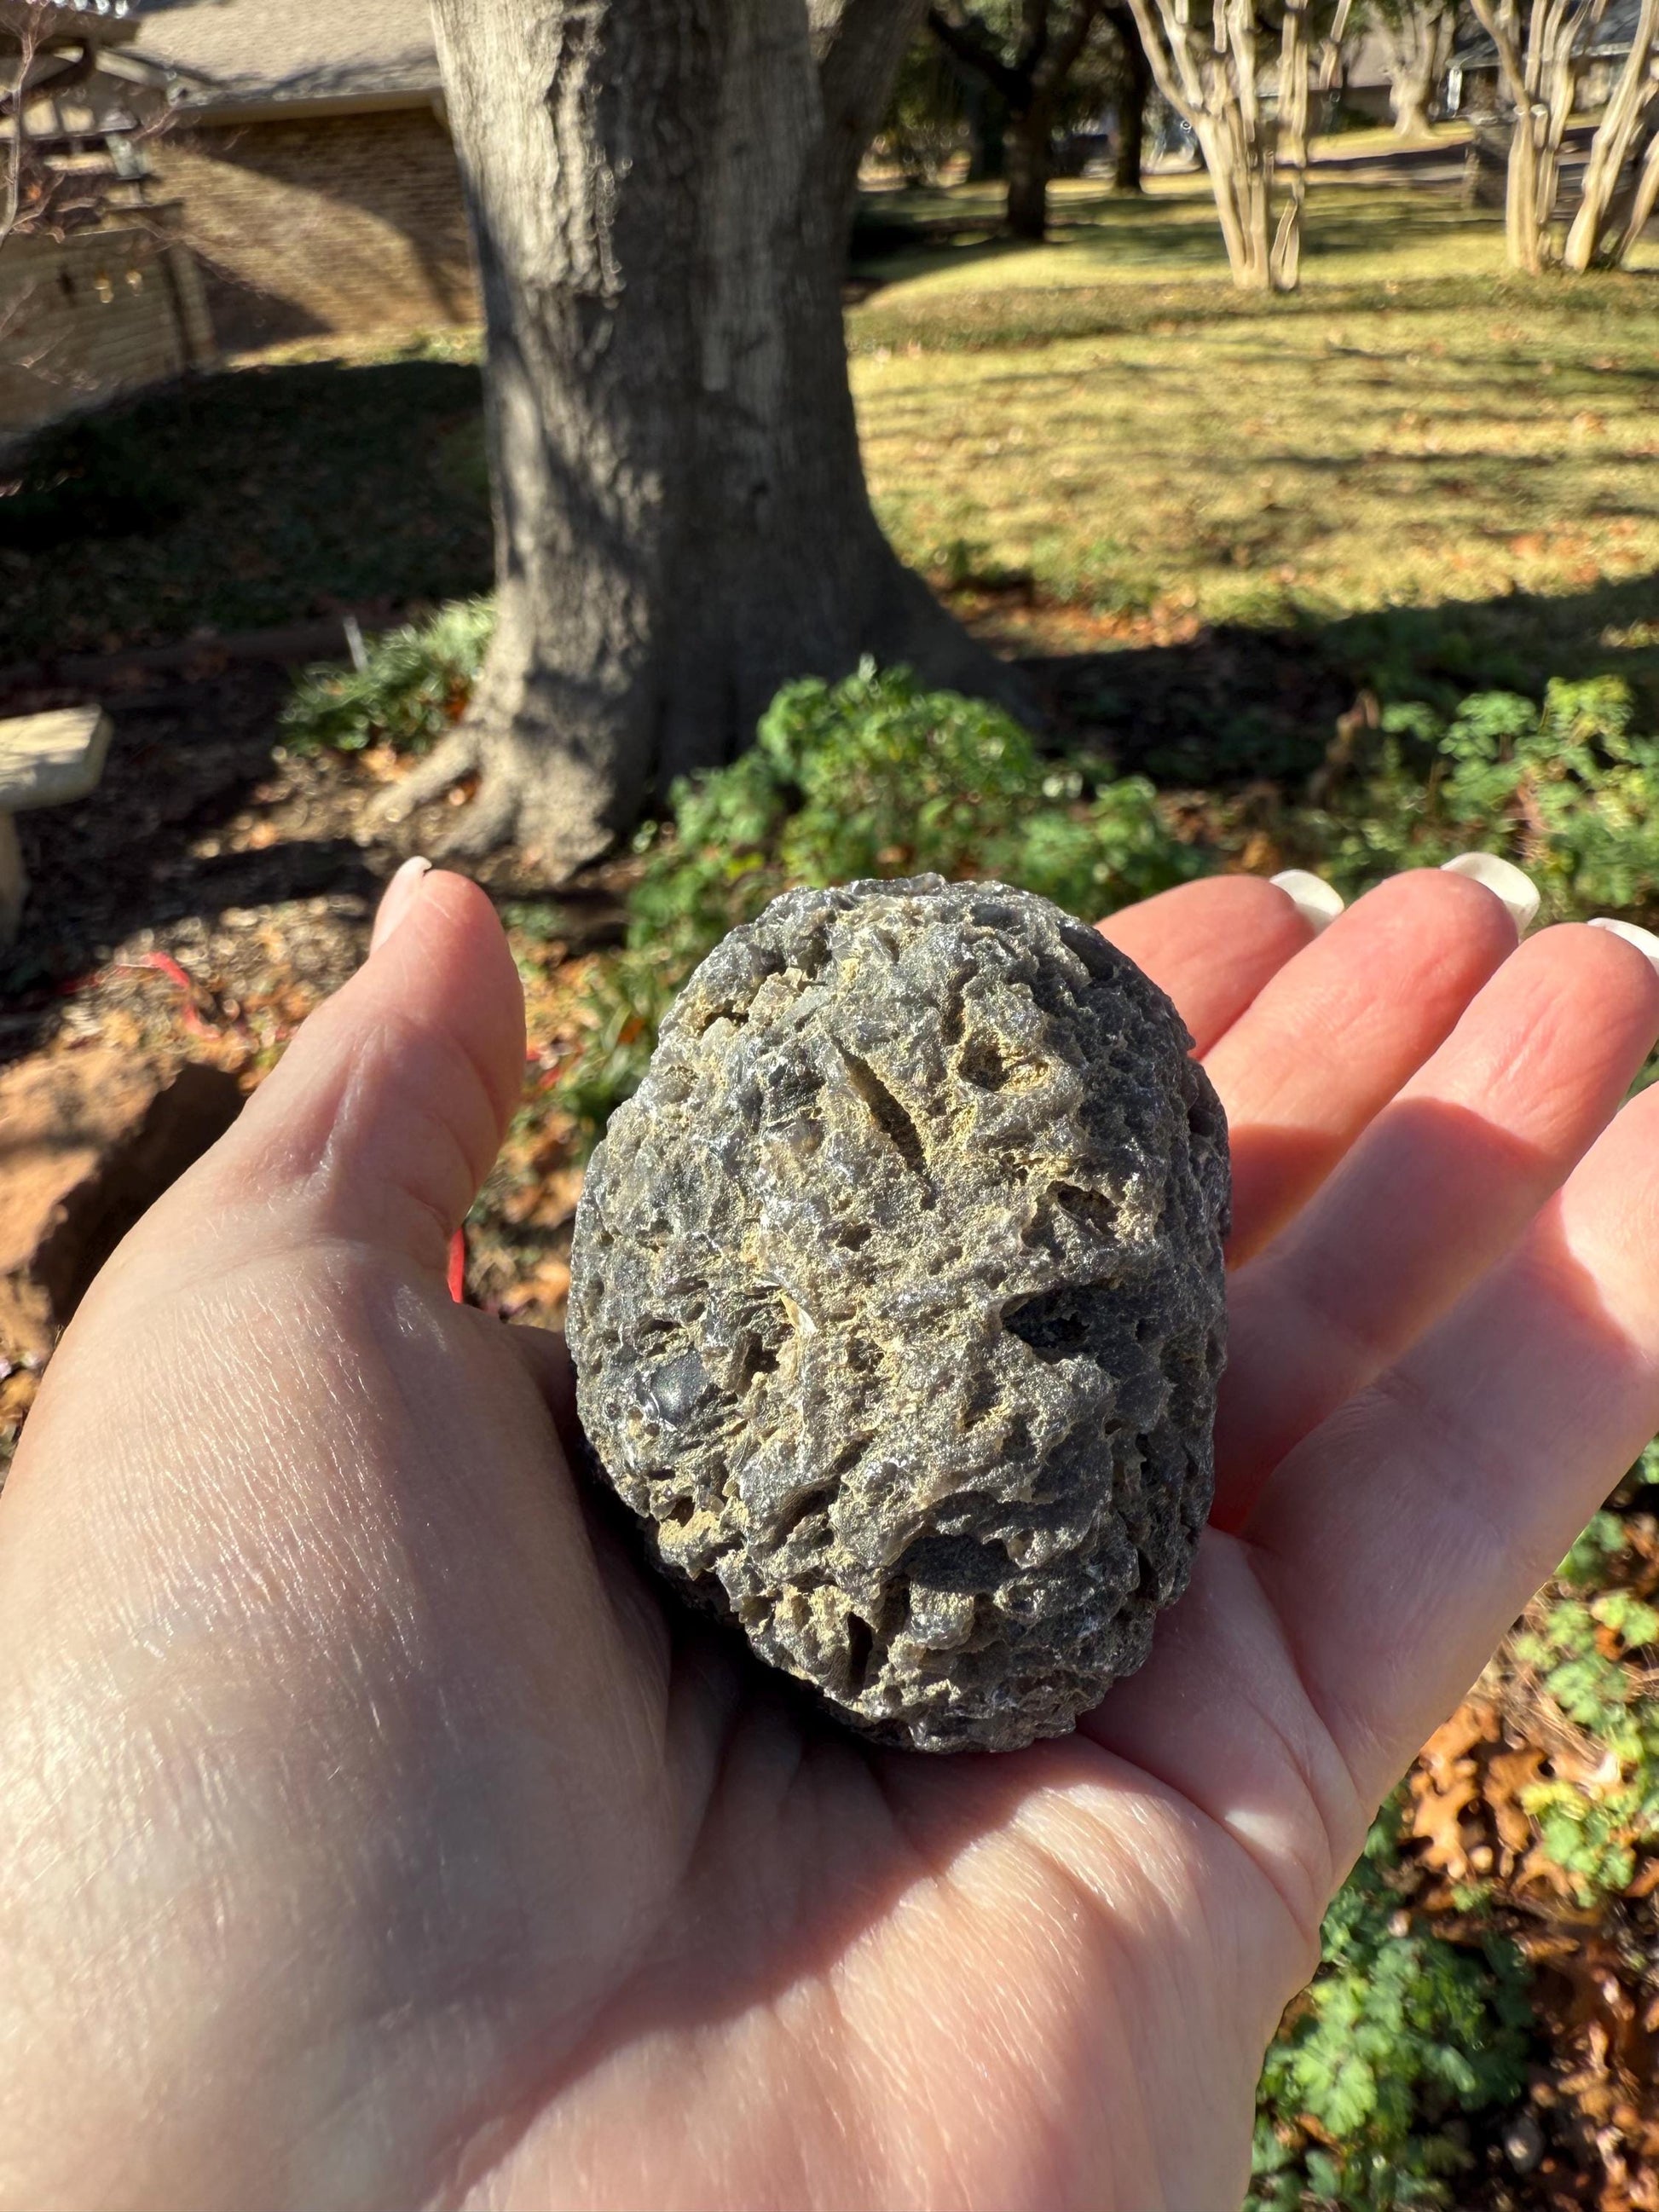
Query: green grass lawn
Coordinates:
[1414,439]
[1105,414]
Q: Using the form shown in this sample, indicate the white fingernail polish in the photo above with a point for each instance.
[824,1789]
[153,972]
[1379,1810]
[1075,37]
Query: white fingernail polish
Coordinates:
[400,895]
[1504,881]
[1633,933]
[1311,896]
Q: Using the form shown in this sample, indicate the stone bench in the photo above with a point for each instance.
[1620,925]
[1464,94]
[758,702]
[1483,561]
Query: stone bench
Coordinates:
[45,760]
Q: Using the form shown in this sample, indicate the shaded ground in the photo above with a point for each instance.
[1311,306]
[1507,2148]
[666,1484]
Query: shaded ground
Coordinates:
[230,502]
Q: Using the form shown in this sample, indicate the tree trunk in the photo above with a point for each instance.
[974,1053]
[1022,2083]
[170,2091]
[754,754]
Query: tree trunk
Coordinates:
[1540,79]
[658,194]
[1030,162]
[1416,48]
[1208,75]
[1591,238]
[1240,185]
[1132,105]
[987,131]
[1525,247]
[1285,264]
[1408,101]
[1643,202]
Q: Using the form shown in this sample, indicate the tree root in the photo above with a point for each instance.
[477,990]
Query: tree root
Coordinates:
[455,755]
[551,805]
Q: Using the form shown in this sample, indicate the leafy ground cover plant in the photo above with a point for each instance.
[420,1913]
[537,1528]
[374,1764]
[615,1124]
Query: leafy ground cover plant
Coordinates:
[1526,1833]
[872,776]
[1568,789]
[1399,2032]
[413,683]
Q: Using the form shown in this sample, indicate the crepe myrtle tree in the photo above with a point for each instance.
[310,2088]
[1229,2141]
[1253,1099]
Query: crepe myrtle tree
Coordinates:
[1620,188]
[1539,58]
[660,192]
[1416,37]
[1210,59]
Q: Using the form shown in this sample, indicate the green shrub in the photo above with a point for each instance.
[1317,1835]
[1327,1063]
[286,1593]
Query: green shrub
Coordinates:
[1585,1643]
[1569,790]
[1399,2032]
[415,682]
[872,776]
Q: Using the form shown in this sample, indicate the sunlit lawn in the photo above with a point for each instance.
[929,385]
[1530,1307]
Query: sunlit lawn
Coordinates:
[1105,412]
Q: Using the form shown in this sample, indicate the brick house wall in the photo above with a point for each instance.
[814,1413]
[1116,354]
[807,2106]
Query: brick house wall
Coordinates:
[95,313]
[325,223]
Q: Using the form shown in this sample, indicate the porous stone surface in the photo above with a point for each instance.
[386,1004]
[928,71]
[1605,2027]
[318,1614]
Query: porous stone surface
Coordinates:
[896,1304]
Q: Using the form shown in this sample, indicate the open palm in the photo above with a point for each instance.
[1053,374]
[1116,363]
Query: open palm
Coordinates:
[372,1836]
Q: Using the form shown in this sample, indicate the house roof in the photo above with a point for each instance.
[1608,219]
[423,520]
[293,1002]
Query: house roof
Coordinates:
[241,53]
[1613,37]
[102,22]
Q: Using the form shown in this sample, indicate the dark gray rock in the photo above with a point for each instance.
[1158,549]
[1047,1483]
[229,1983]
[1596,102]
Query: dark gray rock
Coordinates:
[896,1304]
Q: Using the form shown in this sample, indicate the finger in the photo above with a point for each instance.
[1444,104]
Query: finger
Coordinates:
[1212,945]
[1443,1182]
[545,1352]
[1335,1033]
[386,1112]
[1400,1540]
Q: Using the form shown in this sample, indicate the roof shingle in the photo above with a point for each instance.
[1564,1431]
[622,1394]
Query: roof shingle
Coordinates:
[248,51]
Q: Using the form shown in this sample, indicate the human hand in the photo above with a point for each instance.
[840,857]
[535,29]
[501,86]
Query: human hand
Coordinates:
[374,1837]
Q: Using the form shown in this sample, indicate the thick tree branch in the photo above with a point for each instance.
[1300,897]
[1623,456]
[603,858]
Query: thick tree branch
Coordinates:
[960,34]
[1060,57]
[1500,27]
[858,45]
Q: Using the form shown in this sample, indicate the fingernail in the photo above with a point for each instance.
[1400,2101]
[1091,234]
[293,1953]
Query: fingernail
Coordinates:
[1311,896]
[1504,881]
[399,896]
[1633,933]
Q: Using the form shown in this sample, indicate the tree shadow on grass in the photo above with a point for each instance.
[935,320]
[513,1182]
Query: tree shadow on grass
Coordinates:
[1235,704]
[241,501]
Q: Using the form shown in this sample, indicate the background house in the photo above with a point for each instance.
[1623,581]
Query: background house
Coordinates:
[97,293]
[309,147]
[1475,86]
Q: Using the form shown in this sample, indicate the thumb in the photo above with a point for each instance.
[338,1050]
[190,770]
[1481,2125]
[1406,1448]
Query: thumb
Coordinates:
[386,1111]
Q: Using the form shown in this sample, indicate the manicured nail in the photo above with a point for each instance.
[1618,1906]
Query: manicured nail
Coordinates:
[1633,933]
[1504,881]
[400,895]
[1311,896]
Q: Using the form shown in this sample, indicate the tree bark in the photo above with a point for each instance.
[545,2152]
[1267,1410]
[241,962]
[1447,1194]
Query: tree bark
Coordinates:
[1645,198]
[1285,264]
[1132,105]
[1416,41]
[1208,75]
[1593,234]
[1409,104]
[1540,73]
[987,131]
[659,190]
[1030,164]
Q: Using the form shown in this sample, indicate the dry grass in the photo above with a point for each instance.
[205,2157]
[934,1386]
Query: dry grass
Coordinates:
[1105,414]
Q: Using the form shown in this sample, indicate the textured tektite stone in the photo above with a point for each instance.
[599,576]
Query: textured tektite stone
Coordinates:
[896,1304]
